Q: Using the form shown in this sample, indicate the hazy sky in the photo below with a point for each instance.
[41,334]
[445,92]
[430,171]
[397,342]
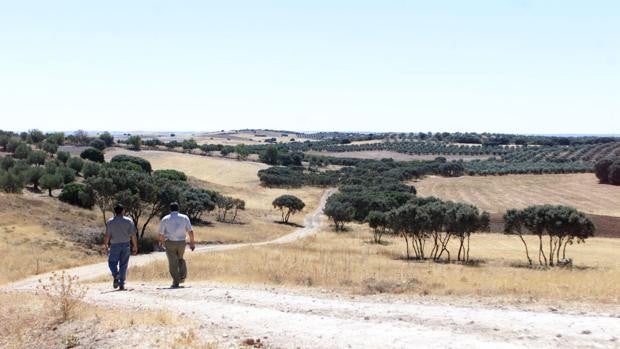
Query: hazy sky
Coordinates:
[501,66]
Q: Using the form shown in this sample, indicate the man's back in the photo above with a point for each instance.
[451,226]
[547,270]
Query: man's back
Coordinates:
[120,228]
[174,226]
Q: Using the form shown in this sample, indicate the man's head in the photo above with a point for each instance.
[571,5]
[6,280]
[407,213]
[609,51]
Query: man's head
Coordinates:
[174,207]
[118,209]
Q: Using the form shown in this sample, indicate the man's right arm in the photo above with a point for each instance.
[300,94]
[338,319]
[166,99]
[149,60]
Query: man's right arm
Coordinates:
[106,241]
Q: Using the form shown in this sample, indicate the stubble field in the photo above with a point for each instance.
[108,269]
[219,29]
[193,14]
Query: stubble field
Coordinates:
[499,193]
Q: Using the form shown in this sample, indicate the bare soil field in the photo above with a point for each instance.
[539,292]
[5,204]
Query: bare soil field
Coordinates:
[382,154]
[237,179]
[499,193]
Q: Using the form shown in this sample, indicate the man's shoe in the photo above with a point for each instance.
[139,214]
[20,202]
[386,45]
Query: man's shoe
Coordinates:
[115,283]
[121,287]
[175,285]
[182,280]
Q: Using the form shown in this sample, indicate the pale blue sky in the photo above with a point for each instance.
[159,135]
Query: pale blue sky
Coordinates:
[500,66]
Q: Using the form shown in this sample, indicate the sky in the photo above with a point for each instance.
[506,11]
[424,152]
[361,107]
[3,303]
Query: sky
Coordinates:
[519,66]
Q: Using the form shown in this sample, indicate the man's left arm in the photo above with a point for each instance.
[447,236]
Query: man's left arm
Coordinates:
[190,232]
[134,244]
[192,244]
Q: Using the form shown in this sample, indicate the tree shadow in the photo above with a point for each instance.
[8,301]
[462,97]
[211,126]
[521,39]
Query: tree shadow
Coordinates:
[203,223]
[33,190]
[381,243]
[470,263]
[538,267]
[291,224]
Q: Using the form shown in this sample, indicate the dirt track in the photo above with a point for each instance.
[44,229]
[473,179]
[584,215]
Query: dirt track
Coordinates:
[289,319]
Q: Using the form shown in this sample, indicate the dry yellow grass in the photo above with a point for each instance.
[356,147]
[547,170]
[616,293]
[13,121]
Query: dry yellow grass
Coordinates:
[498,193]
[26,323]
[348,262]
[36,236]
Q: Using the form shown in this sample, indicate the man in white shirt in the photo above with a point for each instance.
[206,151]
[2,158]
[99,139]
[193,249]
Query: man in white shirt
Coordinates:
[172,231]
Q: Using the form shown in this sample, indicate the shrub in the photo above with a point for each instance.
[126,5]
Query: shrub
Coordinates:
[76,194]
[37,157]
[7,162]
[11,182]
[67,174]
[63,156]
[64,294]
[144,164]
[172,175]
[76,164]
[90,169]
[98,144]
[22,151]
[92,154]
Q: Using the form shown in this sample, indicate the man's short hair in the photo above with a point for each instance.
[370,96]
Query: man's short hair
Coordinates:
[118,208]
[174,206]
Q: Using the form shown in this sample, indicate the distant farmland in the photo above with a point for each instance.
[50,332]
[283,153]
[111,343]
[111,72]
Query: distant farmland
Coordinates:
[498,193]
[382,154]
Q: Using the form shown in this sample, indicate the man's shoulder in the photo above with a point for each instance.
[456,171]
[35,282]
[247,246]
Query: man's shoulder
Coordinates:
[128,219]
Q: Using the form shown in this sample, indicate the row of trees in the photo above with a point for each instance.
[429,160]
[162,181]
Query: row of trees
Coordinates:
[608,170]
[562,225]
[426,225]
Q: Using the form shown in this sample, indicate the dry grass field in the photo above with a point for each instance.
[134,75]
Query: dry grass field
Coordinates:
[27,322]
[498,193]
[237,179]
[38,234]
[382,154]
[349,262]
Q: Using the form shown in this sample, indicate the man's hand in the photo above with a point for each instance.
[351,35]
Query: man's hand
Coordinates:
[105,249]
[192,246]
[134,250]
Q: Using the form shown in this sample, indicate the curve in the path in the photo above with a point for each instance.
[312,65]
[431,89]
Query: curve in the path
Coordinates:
[312,222]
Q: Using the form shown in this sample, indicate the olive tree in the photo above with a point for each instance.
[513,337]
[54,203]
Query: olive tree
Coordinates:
[51,181]
[288,205]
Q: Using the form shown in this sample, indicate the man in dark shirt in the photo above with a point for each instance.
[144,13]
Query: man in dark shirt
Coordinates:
[119,239]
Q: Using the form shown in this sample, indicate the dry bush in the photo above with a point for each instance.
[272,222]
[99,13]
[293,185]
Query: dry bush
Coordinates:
[64,293]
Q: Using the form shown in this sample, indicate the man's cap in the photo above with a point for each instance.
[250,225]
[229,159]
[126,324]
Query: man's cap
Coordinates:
[174,206]
[118,206]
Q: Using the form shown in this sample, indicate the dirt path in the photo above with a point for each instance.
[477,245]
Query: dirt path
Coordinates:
[290,319]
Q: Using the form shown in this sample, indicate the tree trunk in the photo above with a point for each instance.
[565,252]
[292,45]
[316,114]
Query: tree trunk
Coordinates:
[234,215]
[461,242]
[467,256]
[527,254]
[407,244]
[49,191]
[541,252]
[551,244]
[564,250]
[288,215]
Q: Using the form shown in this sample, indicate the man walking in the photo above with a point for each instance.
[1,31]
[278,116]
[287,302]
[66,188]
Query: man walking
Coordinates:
[119,239]
[172,231]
